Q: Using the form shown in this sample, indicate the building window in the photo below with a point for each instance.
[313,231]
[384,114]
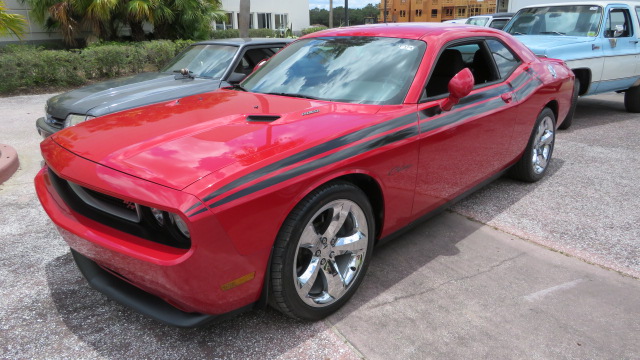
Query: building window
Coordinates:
[403,13]
[434,13]
[226,24]
[491,10]
[462,12]
[281,21]
[448,12]
[418,12]
[474,10]
[264,20]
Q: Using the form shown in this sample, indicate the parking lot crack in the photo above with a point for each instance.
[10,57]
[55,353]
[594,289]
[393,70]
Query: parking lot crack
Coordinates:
[445,283]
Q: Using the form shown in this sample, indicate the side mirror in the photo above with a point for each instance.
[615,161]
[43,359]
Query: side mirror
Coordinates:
[259,65]
[235,77]
[459,86]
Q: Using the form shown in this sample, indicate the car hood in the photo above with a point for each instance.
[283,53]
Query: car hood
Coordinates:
[126,93]
[175,143]
[539,44]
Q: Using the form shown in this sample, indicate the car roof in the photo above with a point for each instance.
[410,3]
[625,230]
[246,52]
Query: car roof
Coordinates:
[596,3]
[244,41]
[414,30]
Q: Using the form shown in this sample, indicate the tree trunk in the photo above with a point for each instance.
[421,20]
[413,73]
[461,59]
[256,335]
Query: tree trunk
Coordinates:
[245,18]
[137,32]
[330,13]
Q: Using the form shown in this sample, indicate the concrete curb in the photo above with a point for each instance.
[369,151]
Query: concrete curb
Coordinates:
[8,162]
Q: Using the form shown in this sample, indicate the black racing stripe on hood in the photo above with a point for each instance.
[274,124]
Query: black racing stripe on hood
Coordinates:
[316,150]
[327,160]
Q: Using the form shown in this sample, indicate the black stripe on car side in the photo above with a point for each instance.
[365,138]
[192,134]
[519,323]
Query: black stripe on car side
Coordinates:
[444,120]
[317,150]
[324,161]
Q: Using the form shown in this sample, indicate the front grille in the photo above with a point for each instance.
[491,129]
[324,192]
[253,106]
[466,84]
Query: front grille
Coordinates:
[109,204]
[116,213]
[54,121]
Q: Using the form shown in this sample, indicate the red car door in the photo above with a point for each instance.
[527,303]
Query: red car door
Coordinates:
[461,148]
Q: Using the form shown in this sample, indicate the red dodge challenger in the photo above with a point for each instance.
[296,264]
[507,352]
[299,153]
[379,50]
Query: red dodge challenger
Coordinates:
[275,191]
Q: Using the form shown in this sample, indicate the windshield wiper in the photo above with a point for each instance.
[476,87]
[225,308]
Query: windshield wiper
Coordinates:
[553,32]
[293,95]
[185,73]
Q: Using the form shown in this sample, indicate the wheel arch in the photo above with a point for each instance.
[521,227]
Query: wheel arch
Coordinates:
[584,75]
[553,105]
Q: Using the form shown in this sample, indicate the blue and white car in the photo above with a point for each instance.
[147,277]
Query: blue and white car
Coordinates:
[598,40]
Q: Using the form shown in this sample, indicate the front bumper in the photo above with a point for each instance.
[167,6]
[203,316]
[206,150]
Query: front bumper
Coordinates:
[142,302]
[44,129]
[191,281]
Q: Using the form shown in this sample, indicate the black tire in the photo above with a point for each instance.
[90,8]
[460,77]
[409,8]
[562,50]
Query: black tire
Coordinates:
[530,168]
[632,99]
[574,103]
[312,218]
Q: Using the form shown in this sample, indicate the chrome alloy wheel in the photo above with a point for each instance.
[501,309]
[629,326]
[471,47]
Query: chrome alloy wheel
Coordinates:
[543,145]
[330,252]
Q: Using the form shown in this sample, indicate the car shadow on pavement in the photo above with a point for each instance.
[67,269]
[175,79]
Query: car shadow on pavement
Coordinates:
[115,331]
[397,260]
[592,112]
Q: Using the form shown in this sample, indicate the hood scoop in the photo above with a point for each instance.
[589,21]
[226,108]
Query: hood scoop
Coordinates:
[263,118]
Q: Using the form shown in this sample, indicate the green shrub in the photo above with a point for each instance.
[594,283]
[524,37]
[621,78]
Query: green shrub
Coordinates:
[313,29]
[25,68]
[225,34]
[262,33]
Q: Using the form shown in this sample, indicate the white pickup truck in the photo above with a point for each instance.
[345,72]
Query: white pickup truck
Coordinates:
[598,40]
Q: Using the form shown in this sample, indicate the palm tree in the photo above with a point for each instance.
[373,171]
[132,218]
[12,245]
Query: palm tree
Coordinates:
[244,20]
[11,24]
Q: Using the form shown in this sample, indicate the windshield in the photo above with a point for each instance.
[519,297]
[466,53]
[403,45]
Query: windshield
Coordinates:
[480,21]
[208,61]
[571,20]
[366,70]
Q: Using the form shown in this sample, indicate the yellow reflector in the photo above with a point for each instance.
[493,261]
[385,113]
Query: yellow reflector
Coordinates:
[239,281]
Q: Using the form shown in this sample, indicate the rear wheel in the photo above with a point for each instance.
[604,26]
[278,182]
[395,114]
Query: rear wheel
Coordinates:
[574,103]
[536,158]
[632,99]
[322,252]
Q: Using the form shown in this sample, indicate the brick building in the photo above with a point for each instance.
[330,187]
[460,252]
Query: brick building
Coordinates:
[438,10]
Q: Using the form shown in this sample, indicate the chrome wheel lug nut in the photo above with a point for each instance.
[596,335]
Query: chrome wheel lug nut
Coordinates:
[323,261]
[332,254]
[324,241]
[318,253]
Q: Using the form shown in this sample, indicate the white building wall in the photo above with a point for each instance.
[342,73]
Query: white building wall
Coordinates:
[297,12]
[34,32]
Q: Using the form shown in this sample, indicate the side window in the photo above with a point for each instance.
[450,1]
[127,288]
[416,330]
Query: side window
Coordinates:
[618,24]
[638,12]
[453,59]
[504,58]
[251,58]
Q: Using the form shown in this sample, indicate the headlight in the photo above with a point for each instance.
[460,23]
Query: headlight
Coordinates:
[75,119]
[180,224]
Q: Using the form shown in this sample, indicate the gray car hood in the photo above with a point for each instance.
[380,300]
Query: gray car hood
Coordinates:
[126,93]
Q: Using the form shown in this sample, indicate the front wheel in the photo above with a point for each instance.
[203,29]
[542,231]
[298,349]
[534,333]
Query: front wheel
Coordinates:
[632,99]
[536,158]
[322,252]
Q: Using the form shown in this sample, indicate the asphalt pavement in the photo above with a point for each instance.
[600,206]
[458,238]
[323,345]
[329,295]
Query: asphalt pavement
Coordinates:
[537,271]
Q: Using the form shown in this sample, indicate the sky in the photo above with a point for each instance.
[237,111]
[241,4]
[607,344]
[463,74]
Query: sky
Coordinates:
[353,4]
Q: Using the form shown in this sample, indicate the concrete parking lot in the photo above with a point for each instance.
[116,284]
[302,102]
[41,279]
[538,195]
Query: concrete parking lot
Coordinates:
[545,270]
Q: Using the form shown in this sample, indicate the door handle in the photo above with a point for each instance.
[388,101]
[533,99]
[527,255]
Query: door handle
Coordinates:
[594,47]
[507,97]
[633,41]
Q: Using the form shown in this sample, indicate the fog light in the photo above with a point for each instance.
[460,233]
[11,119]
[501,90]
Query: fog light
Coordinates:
[180,224]
[157,214]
